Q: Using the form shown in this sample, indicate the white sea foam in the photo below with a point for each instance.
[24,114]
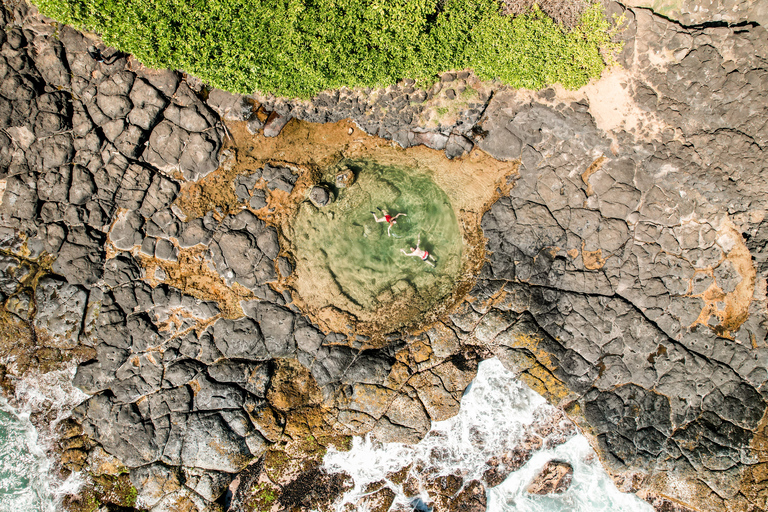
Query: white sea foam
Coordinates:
[27,482]
[52,391]
[592,490]
[494,413]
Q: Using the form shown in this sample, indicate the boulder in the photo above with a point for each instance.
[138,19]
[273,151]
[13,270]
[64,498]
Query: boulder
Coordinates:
[194,233]
[554,478]
[276,324]
[405,421]
[344,178]
[240,339]
[229,106]
[275,124]
[159,196]
[253,377]
[10,275]
[80,258]
[258,199]
[126,231]
[147,102]
[281,178]
[121,430]
[153,482]
[114,107]
[211,485]
[320,196]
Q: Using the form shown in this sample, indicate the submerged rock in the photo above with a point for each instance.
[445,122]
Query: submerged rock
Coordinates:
[344,178]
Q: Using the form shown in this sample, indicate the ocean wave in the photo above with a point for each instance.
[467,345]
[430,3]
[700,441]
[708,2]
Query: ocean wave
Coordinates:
[498,415]
[28,478]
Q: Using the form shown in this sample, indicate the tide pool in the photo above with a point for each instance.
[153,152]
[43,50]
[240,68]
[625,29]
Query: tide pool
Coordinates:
[353,263]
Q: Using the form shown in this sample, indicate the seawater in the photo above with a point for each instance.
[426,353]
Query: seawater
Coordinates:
[24,467]
[27,482]
[344,240]
[494,412]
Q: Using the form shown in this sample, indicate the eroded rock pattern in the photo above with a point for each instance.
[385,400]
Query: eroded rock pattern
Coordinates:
[626,277]
[631,266]
[690,12]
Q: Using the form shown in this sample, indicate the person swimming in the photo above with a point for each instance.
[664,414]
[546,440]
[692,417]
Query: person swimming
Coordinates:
[388,219]
[420,253]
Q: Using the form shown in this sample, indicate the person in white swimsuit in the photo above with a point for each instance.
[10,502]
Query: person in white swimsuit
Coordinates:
[420,253]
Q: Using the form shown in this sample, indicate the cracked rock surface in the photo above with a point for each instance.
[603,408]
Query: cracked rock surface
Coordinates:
[625,279]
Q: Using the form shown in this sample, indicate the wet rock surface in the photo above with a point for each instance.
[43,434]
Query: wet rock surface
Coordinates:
[625,281]
[554,478]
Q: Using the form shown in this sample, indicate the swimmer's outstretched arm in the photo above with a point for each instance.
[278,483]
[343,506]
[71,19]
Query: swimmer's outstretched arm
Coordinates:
[399,214]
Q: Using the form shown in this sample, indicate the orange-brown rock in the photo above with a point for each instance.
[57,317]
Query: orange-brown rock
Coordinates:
[292,386]
[554,478]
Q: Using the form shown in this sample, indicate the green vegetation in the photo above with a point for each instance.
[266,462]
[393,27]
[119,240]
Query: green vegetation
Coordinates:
[263,496]
[130,497]
[300,47]
[111,492]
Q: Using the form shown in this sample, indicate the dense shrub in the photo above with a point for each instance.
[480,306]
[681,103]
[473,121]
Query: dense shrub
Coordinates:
[299,47]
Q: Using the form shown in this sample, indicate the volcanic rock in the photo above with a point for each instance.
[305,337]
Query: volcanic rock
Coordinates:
[554,478]
[320,196]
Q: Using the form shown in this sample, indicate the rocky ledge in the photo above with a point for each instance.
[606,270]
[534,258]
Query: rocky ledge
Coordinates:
[625,277]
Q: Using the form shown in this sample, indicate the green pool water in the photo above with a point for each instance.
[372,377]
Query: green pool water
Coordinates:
[343,241]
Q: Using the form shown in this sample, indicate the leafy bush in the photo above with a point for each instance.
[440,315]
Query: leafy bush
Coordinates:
[300,47]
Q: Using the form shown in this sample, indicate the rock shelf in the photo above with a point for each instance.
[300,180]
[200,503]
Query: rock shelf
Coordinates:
[613,254]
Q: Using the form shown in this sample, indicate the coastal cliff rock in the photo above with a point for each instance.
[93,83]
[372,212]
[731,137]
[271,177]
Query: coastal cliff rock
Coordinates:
[652,300]
[625,277]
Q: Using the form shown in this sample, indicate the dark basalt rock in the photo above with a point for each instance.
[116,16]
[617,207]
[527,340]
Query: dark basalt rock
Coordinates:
[126,231]
[241,339]
[275,123]
[320,196]
[229,106]
[60,307]
[280,178]
[603,258]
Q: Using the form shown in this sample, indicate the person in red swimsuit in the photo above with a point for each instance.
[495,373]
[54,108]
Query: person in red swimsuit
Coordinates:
[388,219]
[420,253]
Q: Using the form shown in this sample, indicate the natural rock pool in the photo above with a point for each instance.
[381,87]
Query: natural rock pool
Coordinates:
[362,261]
